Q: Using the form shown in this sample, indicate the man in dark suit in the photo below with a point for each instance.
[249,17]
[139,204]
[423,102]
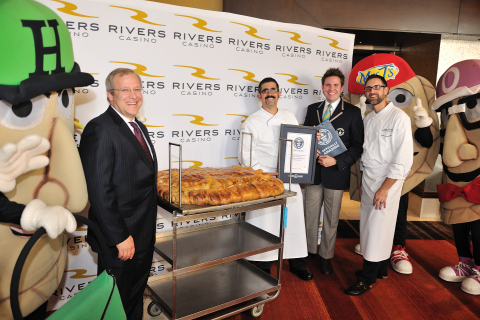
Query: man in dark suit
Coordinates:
[332,174]
[121,172]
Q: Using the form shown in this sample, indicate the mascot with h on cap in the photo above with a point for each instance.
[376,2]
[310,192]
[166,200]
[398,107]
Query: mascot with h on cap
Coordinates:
[41,177]
[458,101]
[414,95]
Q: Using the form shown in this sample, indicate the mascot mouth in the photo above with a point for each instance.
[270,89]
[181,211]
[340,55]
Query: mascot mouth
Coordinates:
[461,177]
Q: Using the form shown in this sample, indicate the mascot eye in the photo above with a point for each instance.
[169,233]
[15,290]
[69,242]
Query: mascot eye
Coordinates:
[23,116]
[65,102]
[401,98]
[472,110]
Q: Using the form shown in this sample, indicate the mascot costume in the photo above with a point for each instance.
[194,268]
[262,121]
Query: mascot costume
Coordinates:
[458,101]
[414,95]
[41,177]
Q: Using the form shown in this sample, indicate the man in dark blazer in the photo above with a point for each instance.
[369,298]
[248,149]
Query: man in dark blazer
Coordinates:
[332,174]
[121,171]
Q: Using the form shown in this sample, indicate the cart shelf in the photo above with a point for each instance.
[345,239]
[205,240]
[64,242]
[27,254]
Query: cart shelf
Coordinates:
[206,245]
[210,289]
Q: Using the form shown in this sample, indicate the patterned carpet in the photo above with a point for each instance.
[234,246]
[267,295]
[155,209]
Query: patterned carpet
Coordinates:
[421,295]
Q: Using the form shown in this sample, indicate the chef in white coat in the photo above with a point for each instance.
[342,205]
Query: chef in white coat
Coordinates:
[386,162]
[264,127]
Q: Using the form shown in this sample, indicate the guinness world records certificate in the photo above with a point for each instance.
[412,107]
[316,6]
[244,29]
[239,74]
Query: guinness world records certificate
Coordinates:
[304,145]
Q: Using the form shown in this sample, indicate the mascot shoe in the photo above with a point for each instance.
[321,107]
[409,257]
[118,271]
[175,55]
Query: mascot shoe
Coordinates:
[399,260]
[472,284]
[459,272]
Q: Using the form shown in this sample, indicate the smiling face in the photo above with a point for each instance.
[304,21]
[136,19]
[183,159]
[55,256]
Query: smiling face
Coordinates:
[129,102]
[269,98]
[332,88]
[376,96]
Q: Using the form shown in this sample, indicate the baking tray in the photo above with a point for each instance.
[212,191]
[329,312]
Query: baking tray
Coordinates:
[189,209]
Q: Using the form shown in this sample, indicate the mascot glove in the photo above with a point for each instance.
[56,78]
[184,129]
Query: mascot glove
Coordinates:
[17,159]
[361,104]
[54,219]
[422,120]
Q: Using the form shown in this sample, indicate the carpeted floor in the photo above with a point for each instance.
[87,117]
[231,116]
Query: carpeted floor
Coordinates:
[421,295]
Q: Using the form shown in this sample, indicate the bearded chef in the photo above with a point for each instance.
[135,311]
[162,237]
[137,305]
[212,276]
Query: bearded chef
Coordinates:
[264,127]
[386,162]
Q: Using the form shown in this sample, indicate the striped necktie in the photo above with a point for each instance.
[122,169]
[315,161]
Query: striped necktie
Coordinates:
[328,113]
[143,143]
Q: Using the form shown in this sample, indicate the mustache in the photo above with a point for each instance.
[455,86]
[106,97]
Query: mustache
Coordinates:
[269,97]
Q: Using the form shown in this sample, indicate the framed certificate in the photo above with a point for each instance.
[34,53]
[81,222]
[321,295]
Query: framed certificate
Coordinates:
[302,160]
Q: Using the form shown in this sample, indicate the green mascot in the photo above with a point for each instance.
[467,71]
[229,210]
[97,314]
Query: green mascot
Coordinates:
[41,177]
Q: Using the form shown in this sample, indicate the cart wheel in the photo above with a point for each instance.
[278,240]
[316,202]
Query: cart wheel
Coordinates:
[257,311]
[153,310]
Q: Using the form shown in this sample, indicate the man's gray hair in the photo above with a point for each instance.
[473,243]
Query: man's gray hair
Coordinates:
[118,72]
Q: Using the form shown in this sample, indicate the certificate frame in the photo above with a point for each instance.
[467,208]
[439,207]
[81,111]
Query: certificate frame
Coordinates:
[309,176]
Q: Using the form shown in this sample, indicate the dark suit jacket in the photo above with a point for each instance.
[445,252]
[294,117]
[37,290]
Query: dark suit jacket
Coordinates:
[350,120]
[121,181]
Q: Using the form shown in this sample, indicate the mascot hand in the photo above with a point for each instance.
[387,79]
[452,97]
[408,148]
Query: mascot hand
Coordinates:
[17,159]
[422,120]
[54,219]
[361,104]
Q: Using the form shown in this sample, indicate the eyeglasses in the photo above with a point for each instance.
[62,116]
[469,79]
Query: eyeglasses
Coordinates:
[376,87]
[269,90]
[126,91]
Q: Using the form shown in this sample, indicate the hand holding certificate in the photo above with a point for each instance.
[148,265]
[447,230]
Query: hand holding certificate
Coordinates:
[330,143]
[301,150]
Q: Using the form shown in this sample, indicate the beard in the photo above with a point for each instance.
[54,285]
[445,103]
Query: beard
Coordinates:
[376,100]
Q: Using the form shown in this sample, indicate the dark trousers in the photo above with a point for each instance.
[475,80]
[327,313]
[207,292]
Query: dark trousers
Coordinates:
[400,237]
[298,264]
[463,232]
[131,276]
[371,270]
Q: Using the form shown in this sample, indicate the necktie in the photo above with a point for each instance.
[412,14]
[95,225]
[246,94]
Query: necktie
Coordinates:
[471,192]
[328,113]
[140,139]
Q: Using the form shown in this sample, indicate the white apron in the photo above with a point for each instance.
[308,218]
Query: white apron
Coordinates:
[265,129]
[377,227]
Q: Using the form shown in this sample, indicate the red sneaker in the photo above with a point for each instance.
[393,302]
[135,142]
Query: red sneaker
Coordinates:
[399,260]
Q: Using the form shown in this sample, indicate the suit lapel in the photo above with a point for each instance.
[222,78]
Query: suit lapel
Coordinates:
[128,134]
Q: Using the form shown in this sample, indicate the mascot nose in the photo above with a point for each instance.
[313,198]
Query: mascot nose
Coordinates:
[64,183]
[456,148]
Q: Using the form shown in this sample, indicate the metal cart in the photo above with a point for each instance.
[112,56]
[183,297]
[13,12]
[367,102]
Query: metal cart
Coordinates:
[209,273]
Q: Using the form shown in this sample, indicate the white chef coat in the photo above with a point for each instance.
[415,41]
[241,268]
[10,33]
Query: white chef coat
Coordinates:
[387,152]
[265,129]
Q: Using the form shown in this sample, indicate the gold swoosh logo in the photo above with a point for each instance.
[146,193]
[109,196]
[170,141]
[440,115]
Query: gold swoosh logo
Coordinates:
[334,43]
[69,8]
[77,124]
[318,77]
[196,164]
[249,76]
[293,79]
[228,158]
[251,30]
[239,115]
[199,72]
[197,119]
[80,274]
[160,218]
[200,23]
[81,229]
[296,37]
[140,16]
[150,125]
[139,69]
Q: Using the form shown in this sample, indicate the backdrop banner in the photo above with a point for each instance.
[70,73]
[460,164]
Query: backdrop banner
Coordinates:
[200,72]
